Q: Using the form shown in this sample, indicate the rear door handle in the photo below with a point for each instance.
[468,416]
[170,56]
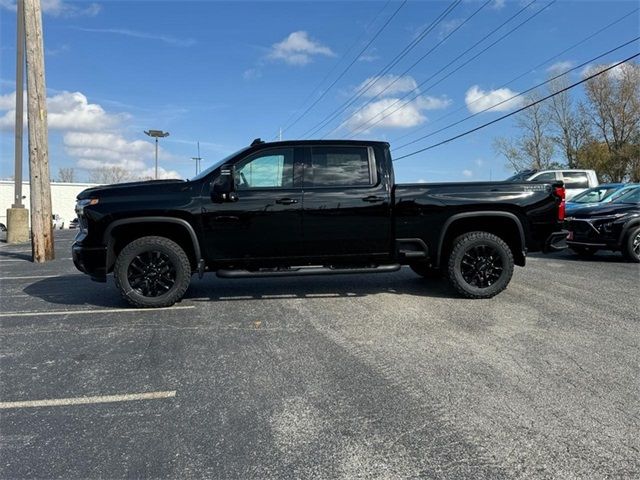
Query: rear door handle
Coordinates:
[286,201]
[372,199]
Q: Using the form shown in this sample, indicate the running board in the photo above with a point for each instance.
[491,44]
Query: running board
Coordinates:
[303,271]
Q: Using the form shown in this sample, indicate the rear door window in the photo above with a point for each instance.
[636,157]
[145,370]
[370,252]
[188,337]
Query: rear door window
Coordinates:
[339,167]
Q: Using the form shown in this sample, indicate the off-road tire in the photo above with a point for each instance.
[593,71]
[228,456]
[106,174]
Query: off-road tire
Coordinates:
[629,246]
[468,242]
[426,271]
[176,256]
[584,252]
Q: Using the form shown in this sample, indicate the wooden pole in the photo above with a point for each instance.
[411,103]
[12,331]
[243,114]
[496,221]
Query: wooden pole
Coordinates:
[41,226]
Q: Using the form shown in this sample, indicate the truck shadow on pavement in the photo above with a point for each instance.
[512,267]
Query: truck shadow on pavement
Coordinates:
[78,290]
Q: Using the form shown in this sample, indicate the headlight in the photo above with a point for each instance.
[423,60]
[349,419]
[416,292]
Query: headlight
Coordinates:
[85,202]
[605,222]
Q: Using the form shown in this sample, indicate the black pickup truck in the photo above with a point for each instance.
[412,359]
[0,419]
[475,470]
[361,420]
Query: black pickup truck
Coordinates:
[310,207]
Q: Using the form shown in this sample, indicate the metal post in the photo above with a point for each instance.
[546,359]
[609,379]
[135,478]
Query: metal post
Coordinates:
[17,178]
[156,158]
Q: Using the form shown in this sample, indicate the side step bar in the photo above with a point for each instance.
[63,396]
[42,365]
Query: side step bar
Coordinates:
[303,271]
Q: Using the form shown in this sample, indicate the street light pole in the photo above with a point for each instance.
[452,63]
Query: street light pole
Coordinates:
[156,134]
[197,159]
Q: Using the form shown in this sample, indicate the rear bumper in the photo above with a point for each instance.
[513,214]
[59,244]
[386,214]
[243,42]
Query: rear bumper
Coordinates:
[556,242]
[90,260]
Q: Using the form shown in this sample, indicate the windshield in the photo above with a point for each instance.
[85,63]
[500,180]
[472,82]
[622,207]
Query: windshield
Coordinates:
[207,171]
[595,195]
[633,196]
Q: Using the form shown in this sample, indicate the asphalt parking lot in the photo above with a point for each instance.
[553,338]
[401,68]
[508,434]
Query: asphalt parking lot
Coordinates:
[379,376]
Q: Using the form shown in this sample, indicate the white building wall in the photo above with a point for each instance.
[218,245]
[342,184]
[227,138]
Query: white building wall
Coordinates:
[63,198]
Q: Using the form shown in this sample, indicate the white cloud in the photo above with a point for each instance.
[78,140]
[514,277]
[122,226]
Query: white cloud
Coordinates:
[498,4]
[387,84]
[93,136]
[60,8]
[479,162]
[467,173]
[298,49]
[251,74]
[384,111]
[478,100]
[65,111]
[178,42]
[615,73]
[560,67]
[449,26]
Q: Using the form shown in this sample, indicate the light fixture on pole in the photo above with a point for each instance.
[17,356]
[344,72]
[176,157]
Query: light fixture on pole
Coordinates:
[157,134]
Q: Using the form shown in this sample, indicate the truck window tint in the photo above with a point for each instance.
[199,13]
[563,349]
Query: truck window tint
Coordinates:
[272,169]
[339,166]
[575,180]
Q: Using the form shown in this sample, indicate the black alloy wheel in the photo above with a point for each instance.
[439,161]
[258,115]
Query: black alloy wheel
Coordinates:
[481,266]
[631,246]
[151,274]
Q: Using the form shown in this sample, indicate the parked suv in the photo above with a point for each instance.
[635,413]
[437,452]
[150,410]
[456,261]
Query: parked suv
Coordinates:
[612,226]
[575,181]
[310,207]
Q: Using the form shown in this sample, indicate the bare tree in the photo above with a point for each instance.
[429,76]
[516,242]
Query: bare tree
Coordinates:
[569,125]
[106,175]
[534,147]
[614,108]
[66,175]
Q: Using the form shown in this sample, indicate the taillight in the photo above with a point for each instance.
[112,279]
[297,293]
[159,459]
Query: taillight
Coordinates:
[560,193]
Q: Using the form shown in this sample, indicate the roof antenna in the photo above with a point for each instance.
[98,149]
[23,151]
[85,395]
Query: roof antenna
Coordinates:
[257,141]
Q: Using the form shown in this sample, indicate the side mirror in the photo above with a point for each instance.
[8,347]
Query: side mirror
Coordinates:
[224,186]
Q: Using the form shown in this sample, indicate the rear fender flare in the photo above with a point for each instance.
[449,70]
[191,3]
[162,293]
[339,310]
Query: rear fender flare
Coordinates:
[488,213]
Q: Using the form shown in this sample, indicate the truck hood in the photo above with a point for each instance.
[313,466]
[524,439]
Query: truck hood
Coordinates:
[599,210]
[130,188]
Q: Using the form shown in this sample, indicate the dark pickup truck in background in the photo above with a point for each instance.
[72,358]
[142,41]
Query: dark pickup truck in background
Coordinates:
[310,207]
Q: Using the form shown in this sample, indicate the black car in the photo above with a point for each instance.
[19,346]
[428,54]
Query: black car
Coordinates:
[73,223]
[612,226]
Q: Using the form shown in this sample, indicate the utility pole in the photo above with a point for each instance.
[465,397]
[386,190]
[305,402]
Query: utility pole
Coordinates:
[41,226]
[17,215]
[197,159]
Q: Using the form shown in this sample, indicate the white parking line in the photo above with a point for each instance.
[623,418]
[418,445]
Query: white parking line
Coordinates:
[102,310]
[59,402]
[27,260]
[40,276]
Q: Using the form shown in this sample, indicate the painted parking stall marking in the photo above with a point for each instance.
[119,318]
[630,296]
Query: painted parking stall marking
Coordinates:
[61,402]
[105,310]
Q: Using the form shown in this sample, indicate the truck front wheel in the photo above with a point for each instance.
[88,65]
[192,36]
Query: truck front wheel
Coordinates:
[480,265]
[152,272]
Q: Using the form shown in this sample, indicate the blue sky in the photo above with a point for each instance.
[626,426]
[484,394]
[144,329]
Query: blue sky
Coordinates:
[223,73]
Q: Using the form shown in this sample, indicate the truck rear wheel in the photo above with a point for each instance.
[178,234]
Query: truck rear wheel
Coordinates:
[152,272]
[480,265]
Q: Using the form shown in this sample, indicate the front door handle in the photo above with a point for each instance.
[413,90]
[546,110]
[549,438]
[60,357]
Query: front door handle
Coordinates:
[372,199]
[286,201]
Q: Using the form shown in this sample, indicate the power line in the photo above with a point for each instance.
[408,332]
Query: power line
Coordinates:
[338,63]
[325,91]
[484,125]
[554,57]
[373,80]
[418,93]
[519,94]
[432,49]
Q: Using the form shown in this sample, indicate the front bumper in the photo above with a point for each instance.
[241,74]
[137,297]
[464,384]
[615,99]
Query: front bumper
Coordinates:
[90,260]
[584,233]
